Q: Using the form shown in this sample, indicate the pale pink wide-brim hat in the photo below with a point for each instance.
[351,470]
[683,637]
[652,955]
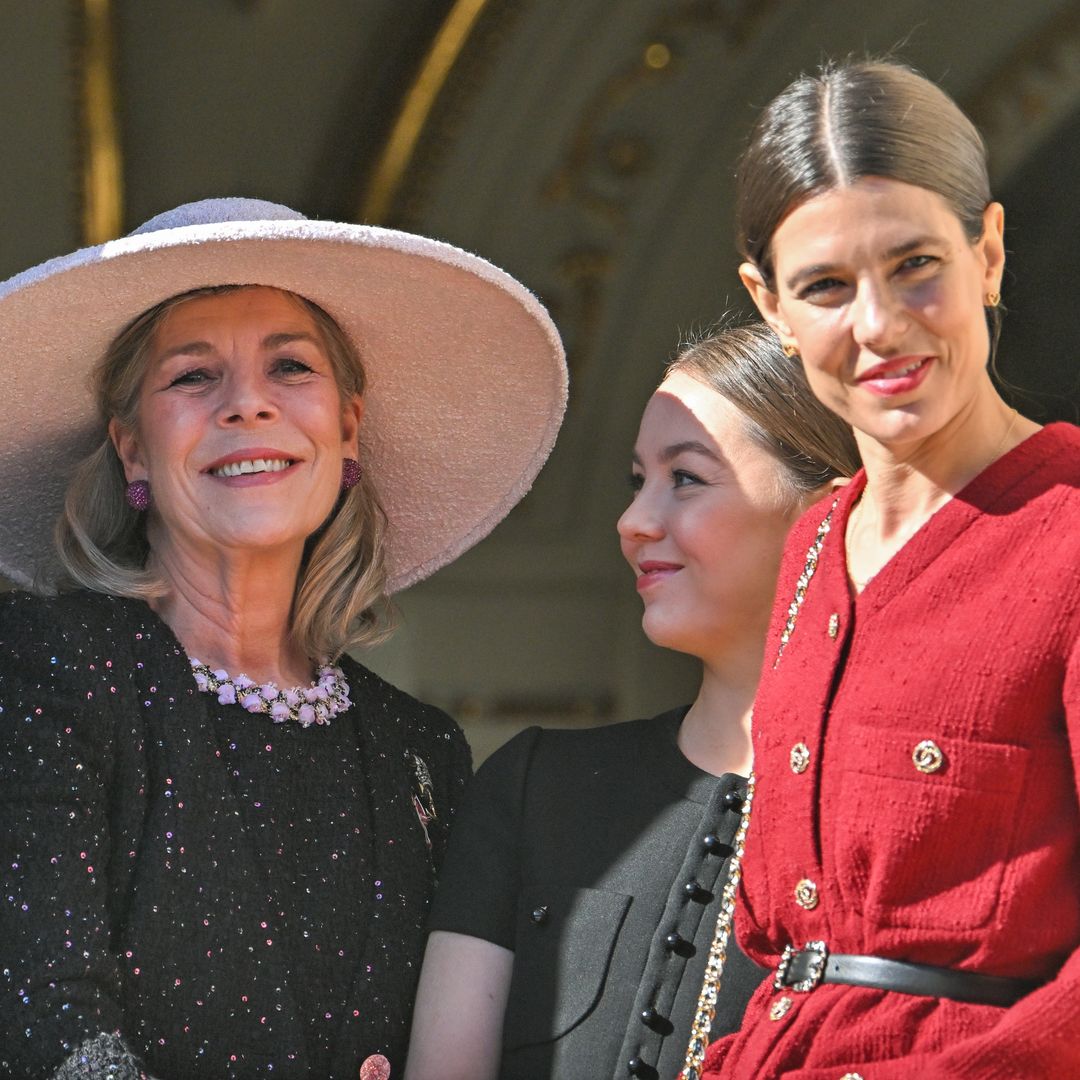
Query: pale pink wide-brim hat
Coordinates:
[466,376]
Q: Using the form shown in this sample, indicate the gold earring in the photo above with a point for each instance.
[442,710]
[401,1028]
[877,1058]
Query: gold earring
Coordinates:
[993,299]
[791,351]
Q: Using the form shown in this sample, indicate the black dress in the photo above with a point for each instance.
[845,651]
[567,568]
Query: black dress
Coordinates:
[191,888]
[598,857]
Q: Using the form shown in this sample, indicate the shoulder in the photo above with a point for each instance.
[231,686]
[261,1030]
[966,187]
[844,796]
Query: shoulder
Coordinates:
[1032,496]
[832,507]
[386,703]
[1064,439]
[565,758]
[393,717]
[625,739]
[1048,460]
[81,619]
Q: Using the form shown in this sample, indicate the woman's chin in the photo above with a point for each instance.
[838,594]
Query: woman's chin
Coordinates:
[664,633]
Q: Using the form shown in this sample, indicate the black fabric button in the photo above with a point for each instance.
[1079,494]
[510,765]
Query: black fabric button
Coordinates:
[655,1022]
[733,800]
[679,945]
[636,1067]
[697,892]
[713,845]
[539,915]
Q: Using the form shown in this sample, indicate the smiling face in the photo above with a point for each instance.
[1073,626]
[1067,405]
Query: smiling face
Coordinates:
[241,428]
[882,293]
[707,523]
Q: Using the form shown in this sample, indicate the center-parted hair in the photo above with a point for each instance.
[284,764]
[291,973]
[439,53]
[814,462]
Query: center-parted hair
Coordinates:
[856,119]
[853,119]
[747,366]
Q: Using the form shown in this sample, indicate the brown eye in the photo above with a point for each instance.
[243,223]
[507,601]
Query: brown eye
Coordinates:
[820,287]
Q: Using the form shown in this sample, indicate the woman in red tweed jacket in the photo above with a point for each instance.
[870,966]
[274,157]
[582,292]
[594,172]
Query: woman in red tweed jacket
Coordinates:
[913,852]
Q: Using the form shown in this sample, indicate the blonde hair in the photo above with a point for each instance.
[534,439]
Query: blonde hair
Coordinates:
[102,542]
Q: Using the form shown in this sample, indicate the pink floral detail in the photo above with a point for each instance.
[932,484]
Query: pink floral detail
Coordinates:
[318,703]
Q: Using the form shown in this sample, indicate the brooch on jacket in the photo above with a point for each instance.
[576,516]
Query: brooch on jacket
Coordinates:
[423,795]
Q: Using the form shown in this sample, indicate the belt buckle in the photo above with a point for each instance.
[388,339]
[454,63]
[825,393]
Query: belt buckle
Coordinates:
[816,963]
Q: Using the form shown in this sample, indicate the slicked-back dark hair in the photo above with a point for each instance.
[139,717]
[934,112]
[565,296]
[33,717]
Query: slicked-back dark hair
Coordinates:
[852,119]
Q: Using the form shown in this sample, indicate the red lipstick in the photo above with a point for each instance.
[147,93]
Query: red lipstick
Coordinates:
[900,375]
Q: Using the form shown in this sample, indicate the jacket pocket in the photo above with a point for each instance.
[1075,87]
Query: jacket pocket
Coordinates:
[925,827]
[564,940]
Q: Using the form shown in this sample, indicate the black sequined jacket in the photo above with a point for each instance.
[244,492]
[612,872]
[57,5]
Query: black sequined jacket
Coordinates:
[129,888]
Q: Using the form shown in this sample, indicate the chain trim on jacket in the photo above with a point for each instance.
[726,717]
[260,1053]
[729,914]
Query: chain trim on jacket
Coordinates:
[705,1012]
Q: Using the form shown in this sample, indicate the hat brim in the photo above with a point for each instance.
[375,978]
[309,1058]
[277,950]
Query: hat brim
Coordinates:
[466,378]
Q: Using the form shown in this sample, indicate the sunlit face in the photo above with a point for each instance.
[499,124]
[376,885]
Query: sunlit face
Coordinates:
[883,294]
[241,428]
[707,523]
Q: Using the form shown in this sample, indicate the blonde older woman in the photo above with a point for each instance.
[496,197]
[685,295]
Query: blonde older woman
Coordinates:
[221,833]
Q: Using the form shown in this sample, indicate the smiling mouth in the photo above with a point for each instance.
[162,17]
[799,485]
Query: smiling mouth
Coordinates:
[255,465]
[879,373]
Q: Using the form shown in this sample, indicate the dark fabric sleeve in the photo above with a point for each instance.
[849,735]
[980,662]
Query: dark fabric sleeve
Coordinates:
[481,877]
[59,987]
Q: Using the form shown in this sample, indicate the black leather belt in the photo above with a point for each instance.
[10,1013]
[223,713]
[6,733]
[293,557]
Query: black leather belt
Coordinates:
[804,969]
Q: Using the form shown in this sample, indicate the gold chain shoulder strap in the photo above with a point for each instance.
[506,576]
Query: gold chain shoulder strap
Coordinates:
[705,1012]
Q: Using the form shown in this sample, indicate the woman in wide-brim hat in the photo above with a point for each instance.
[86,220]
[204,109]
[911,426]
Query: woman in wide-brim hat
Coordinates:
[221,832]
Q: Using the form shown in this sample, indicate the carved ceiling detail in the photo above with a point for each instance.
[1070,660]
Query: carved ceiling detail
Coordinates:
[1030,94]
[605,157]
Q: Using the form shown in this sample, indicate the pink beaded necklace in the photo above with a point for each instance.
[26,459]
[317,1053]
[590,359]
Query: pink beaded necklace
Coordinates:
[318,703]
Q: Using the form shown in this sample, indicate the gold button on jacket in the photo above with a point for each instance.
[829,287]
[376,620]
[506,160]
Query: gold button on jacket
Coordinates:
[927,756]
[800,757]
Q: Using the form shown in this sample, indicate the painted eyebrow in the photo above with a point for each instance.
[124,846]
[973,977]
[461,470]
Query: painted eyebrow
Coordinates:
[825,269]
[690,446]
[271,341]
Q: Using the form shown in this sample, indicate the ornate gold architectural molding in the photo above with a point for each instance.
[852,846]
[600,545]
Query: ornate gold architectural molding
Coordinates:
[102,179]
[393,162]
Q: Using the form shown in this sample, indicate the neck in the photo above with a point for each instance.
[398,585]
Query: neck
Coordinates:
[906,483]
[715,734]
[232,610]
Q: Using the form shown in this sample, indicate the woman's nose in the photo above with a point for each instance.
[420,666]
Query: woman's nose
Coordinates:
[878,317]
[247,400]
[640,520]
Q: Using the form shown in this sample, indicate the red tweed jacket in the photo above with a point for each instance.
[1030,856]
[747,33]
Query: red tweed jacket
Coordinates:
[963,657]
